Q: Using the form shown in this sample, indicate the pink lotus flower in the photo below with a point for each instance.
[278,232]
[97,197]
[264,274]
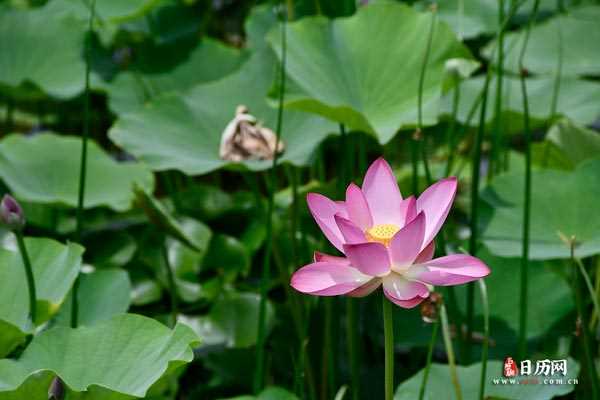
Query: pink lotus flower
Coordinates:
[386,240]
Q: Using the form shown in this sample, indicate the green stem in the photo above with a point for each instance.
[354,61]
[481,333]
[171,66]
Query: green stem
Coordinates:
[83,164]
[585,334]
[353,347]
[29,275]
[486,337]
[434,331]
[171,285]
[588,284]
[474,225]
[497,126]
[388,332]
[266,272]
[451,132]
[527,203]
[450,351]
[414,150]
[420,98]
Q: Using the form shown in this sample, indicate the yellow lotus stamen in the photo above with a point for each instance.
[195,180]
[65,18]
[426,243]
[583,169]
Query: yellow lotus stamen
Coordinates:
[382,233]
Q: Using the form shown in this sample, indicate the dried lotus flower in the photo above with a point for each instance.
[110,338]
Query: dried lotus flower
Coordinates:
[245,138]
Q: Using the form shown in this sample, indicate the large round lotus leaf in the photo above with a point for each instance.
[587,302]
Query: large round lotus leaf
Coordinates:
[580,33]
[126,354]
[45,169]
[577,100]
[55,267]
[183,131]
[563,205]
[270,393]
[209,61]
[439,385]
[364,70]
[503,296]
[576,142]
[468,18]
[102,294]
[113,11]
[42,48]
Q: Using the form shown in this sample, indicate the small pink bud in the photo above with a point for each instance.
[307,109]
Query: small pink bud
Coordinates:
[11,213]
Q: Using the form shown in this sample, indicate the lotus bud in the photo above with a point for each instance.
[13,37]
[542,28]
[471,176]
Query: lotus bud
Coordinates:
[11,213]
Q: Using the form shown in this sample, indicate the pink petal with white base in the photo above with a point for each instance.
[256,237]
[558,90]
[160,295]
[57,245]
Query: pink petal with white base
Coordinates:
[352,234]
[318,257]
[454,269]
[358,209]
[436,201]
[366,289]
[415,301]
[328,279]
[383,196]
[408,209]
[400,288]
[405,246]
[323,211]
[426,254]
[370,258]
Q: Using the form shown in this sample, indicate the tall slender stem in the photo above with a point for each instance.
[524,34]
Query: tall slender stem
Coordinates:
[353,344]
[588,284]
[497,126]
[29,276]
[171,285]
[83,164]
[420,97]
[474,225]
[388,332]
[450,352]
[585,334]
[527,202]
[434,331]
[451,132]
[486,337]
[266,272]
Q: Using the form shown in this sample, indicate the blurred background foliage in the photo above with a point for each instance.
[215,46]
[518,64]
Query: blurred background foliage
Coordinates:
[166,78]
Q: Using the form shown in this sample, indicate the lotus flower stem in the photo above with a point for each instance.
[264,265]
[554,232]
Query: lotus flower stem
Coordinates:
[527,202]
[353,346]
[474,239]
[388,332]
[420,96]
[434,331]
[559,66]
[28,274]
[266,272]
[588,284]
[171,285]
[451,132]
[83,164]
[497,124]
[450,351]
[585,334]
[486,337]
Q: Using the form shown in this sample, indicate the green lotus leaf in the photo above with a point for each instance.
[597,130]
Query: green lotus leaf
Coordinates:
[45,169]
[208,61]
[578,31]
[363,71]
[439,384]
[577,100]
[562,206]
[28,42]
[183,130]
[576,142]
[55,267]
[468,18]
[102,294]
[128,354]
[503,296]
[270,393]
[107,11]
